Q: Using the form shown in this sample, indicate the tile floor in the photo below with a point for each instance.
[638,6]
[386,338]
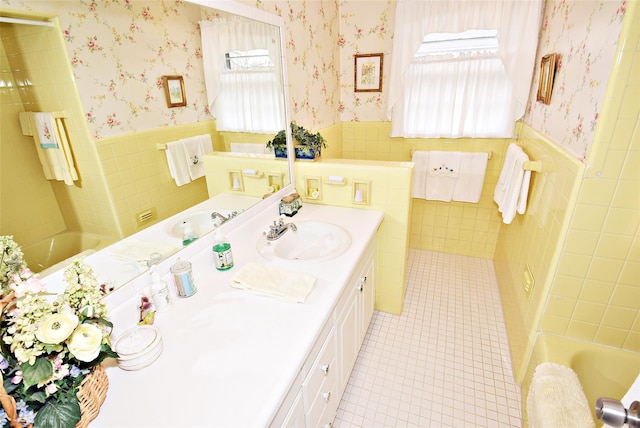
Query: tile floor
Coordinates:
[445,361]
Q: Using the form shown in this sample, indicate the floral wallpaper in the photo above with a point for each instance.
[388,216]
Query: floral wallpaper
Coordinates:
[365,28]
[313,58]
[120,50]
[585,34]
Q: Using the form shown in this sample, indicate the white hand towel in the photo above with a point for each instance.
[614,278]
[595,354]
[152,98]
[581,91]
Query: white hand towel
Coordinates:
[468,187]
[45,127]
[442,175]
[421,161]
[269,281]
[512,189]
[178,167]
[195,148]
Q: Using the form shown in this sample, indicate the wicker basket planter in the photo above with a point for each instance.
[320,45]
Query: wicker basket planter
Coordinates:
[91,395]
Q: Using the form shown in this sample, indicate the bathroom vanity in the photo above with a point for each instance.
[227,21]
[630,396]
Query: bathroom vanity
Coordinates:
[232,358]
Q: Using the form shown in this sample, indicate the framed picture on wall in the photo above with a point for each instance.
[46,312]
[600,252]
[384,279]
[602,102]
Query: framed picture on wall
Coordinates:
[174,91]
[547,74]
[368,73]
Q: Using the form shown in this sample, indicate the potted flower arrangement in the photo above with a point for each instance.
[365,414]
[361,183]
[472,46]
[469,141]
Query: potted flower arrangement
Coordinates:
[51,346]
[307,146]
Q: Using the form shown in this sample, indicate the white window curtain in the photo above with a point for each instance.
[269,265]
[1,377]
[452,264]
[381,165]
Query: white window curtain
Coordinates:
[517,23]
[243,100]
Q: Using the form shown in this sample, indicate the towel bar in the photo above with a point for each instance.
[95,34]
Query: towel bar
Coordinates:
[161,146]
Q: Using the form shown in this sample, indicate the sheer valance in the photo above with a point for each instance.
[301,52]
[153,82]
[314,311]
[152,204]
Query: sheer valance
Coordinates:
[242,101]
[517,23]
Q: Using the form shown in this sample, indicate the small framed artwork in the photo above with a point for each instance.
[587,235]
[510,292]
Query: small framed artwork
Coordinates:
[174,91]
[547,73]
[368,73]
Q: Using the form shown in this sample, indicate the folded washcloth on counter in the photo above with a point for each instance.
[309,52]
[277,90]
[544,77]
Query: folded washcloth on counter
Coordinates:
[274,282]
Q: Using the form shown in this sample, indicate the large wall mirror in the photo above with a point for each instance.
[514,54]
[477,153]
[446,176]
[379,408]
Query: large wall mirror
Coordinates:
[111,74]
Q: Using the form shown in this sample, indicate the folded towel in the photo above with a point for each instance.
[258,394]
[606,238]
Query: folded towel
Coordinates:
[178,167]
[266,280]
[556,399]
[421,161]
[443,173]
[194,149]
[52,145]
[512,189]
[468,187]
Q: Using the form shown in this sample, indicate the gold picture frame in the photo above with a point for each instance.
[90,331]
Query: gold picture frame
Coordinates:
[547,74]
[367,72]
[174,91]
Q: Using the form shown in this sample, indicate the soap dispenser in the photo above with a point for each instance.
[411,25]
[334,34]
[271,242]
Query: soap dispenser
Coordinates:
[159,291]
[222,255]
[188,234]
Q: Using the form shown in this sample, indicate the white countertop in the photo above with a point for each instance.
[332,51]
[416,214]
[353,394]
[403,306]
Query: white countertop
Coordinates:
[230,357]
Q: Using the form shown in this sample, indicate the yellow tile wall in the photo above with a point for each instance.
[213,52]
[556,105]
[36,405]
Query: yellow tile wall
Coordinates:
[450,227]
[219,168]
[25,192]
[138,175]
[595,295]
[535,239]
[390,184]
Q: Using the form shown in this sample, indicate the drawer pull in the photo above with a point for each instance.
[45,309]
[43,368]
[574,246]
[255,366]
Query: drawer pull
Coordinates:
[326,396]
[360,287]
[329,425]
[325,369]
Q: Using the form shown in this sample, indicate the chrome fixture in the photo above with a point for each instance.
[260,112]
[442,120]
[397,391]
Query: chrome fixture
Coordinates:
[612,412]
[278,228]
[216,215]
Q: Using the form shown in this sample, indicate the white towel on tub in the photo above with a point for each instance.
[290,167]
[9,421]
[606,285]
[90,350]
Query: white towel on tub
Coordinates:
[556,399]
[468,187]
[444,168]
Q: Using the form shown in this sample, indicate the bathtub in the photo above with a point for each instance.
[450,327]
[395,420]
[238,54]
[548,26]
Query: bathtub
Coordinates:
[52,253]
[603,371]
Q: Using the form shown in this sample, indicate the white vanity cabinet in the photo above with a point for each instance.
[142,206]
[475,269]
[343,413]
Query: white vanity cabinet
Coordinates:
[354,313]
[315,395]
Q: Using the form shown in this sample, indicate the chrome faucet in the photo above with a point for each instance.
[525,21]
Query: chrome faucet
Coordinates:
[278,228]
[216,215]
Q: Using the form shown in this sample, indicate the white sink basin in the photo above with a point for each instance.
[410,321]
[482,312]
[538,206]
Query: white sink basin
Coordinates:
[313,241]
[201,222]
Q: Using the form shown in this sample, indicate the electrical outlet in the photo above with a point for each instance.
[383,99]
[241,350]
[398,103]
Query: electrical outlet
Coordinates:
[144,217]
[528,281]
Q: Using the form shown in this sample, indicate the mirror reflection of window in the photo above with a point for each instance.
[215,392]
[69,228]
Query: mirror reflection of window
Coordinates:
[243,75]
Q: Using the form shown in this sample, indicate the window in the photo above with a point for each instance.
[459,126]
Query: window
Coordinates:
[456,86]
[248,60]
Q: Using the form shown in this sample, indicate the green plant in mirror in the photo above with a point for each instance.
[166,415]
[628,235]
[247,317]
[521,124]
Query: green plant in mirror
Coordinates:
[307,145]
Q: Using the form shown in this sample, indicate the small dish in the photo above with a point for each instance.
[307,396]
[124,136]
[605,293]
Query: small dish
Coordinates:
[136,341]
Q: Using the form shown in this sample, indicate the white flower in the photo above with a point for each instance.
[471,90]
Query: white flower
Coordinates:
[85,342]
[56,328]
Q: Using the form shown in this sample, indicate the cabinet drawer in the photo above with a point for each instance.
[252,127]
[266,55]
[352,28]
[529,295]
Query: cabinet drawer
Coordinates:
[323,367]
[323,404]
[319,387]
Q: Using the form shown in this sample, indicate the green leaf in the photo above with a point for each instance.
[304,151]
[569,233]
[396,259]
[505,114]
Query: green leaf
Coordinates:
[58,414]
[40,371]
